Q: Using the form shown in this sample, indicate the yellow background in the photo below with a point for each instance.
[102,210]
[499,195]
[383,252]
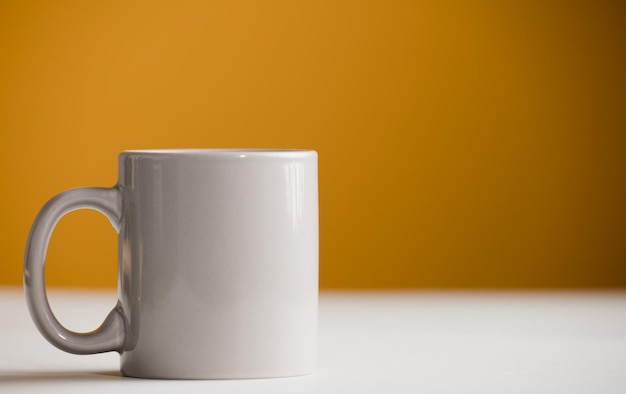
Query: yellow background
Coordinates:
[461,143]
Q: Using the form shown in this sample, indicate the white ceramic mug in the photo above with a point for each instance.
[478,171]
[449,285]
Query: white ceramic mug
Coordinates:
[218,264]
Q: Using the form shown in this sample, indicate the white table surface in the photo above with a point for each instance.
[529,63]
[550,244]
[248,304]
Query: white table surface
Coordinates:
[376,342]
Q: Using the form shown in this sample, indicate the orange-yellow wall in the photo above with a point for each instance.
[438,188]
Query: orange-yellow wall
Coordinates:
[461,143]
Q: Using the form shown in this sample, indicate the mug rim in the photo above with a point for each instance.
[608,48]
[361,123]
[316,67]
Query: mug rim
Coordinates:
[219,152]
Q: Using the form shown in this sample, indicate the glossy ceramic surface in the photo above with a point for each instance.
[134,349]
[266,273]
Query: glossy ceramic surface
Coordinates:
[218,264]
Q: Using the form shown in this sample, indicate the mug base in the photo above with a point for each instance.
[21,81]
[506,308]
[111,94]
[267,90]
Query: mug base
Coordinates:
[194,376]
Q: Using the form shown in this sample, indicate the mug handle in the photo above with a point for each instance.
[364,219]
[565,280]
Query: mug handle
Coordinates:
[110,335]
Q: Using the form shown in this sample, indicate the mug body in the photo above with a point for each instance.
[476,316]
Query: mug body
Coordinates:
[219,263]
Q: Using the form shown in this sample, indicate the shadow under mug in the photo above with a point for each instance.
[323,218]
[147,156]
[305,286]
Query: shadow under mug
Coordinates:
[218,264]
